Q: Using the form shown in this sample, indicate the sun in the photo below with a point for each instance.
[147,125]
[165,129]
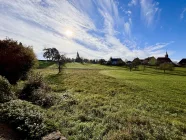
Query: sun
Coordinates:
[69,33]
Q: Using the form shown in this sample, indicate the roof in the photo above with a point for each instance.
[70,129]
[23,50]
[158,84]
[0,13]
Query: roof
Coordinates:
[116,59]
[183,61]
[163,59]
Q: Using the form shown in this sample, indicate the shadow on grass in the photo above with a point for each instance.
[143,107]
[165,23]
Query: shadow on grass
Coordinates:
[160,72]
[57,82]
[44,64]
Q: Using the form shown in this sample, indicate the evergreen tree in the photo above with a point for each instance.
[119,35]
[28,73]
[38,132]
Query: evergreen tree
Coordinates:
[78,58]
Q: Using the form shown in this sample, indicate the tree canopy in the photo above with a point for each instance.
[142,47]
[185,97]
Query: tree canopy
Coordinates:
[54,55]
[15,60]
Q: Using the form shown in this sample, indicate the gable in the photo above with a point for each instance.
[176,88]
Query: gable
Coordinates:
[183,61]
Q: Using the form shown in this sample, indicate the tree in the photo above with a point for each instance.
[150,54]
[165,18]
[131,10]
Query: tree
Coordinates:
[16,60]
[166,66]
[101,61]
[153,61]
[61,62]
[78,58]
[130,66]
[136,62]
[109,62]
[47,54]
[56,56]
[86,60]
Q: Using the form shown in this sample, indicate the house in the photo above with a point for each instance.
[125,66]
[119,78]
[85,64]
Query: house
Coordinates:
[116,61]
[128,62]
[165,59]
[182,62]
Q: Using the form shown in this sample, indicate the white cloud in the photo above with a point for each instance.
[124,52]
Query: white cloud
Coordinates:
[44,23]
[133,3]
[183,13]
[127,28]
[128,12]
[156,50]
[149,10]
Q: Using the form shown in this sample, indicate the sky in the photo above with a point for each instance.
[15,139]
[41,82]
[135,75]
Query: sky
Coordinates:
[98,28]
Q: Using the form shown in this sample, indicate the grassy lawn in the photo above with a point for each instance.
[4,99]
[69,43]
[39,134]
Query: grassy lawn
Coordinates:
[44,64]
[90,66]
[101,102]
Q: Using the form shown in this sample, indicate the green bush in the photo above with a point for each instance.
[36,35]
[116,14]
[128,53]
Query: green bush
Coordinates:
[5,90]
[29,120]
[41,98]
[15,60]
[37,91]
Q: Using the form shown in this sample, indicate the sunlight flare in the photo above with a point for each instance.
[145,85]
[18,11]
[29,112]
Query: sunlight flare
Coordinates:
[68,33]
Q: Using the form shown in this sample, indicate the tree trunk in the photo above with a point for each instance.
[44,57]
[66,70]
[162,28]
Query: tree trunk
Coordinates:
[59,67]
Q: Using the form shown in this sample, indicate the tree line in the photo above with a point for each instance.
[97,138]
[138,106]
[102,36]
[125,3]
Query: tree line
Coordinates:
[54,55]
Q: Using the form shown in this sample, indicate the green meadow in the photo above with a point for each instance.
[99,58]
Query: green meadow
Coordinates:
[111,103]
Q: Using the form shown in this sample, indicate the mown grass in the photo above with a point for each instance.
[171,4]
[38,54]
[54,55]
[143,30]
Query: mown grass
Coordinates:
[89,66]
[74,65]
[44,64]
[115,104]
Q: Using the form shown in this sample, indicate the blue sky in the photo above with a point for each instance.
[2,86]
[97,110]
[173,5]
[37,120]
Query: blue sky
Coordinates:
[98,28]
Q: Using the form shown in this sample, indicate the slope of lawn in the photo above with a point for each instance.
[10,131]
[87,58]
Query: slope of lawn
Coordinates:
[89,66]
[49,64]
[45,64]
[118,104]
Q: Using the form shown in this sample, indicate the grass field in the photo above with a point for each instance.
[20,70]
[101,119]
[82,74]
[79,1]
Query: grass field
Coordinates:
[101,102]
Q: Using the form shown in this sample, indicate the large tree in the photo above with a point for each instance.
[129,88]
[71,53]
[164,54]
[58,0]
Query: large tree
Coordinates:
[15,60]
[56,56]
[47,53]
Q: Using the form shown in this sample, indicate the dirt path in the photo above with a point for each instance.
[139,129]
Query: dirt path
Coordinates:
[6,133]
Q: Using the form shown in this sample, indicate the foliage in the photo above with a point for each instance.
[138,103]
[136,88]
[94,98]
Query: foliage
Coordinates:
[61,62]
[153,61]
[29,120]
[37,91]
[136,62]
[47,53]
[102,61]
[5,90]
[51,54]
[15,60]
[166,66]
[78,58]
[54,54]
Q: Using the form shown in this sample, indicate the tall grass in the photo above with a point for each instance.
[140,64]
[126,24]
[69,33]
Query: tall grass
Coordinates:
[119,104]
